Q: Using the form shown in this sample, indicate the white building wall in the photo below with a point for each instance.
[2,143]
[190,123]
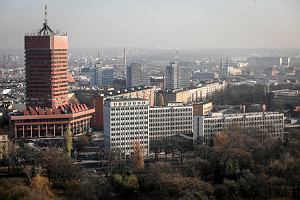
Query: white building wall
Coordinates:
[169,121]
[125,124]
[266,125]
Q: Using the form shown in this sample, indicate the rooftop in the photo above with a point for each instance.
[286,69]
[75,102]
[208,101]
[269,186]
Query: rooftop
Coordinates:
[287,92]
[218,115]
[65,109]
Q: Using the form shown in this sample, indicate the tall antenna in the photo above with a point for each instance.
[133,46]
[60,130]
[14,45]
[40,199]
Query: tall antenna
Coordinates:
[45,14]
[46,30]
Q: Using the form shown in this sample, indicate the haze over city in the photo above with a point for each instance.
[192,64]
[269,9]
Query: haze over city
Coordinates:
[149,99]
[196,24]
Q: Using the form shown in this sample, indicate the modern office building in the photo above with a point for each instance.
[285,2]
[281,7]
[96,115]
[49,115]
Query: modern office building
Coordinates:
[145,76]
[48,113]
[169,121]
[172,76]
[184,77]
[126,124]
[176,77]
[107,76]
[262,125]
[136,75]
[96,75]
[46,64]
[224,69]
[133,75]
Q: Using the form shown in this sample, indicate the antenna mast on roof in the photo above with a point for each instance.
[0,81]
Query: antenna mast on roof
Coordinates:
[46,30]
[45,14]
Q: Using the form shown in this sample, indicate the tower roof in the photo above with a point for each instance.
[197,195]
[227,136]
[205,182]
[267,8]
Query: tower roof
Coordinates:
[46,30]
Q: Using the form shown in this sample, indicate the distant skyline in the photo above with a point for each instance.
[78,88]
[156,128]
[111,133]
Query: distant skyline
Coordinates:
[196,24]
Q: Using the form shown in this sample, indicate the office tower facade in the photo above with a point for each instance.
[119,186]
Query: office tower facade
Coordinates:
[261,125]
[184,77]
[46,68]
[176,77]
[224,69]
[96,75]
[145,76]
[169,121]
[126,124]
[107,76]
[172,76]
[101,76]
[48,113]
[133,75]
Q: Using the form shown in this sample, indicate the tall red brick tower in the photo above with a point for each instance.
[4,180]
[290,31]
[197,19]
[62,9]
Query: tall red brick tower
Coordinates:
[46,61]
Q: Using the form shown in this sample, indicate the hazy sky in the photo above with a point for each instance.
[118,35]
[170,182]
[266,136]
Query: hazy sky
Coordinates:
[157,23]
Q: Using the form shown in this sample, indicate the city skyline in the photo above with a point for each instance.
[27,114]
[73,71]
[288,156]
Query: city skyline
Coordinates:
[176,24]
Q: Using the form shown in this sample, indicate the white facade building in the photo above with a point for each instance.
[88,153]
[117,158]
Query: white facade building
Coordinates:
[263,125]
[125,125]
[169,121]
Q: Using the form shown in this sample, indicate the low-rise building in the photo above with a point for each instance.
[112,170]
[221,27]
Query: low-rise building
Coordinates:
[188,96]
[38,123]
[263,125]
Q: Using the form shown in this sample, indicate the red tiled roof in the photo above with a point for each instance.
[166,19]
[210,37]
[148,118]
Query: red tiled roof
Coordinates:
[71,108]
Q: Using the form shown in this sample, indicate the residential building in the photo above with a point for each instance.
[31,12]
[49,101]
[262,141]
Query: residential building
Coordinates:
[262,125]
[202,108]
[188,96]
[169,121]
[126,124]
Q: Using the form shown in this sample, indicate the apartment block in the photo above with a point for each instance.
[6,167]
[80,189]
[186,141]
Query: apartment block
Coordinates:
[262,125]
[126,123]
[169,121]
